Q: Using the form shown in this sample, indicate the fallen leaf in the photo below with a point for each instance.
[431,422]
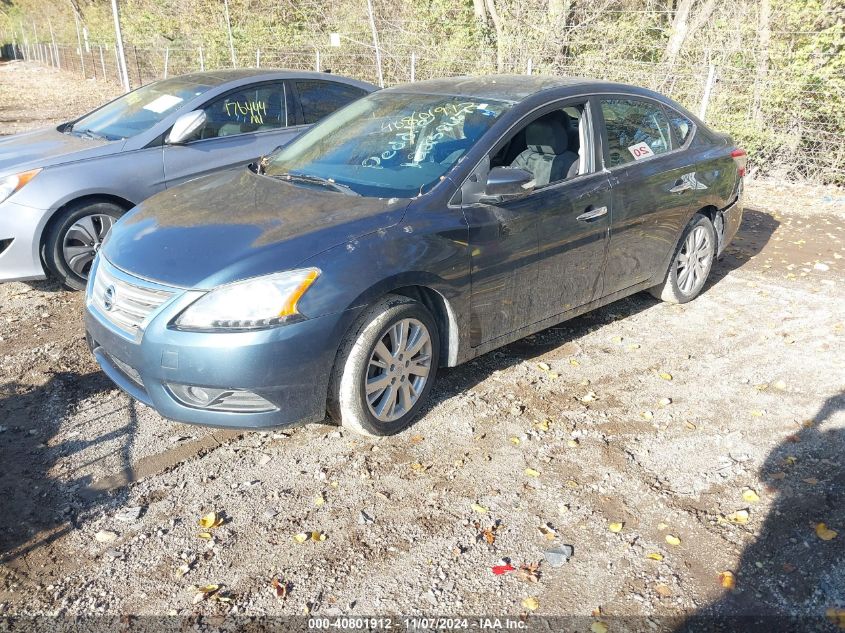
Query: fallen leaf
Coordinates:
[319,500]
[750,496]
[598,627]
[499,570]
[573,443]
[574,362]
[515,441]
[205,535]
[280,587]
[543,425]
[791,460]
[529,573]
[664,402]
[300,538]
[211,520]
[204,592]
[756,413]
[633,346]
[589,397]
[690,426]
[740,517]
[544,366]
[661,526]
[647,415]
[489,536]
[479,508]
[417,467]
[810,480]
[663,590]
[824,532]
[665,375]
[531,472]
[571,483]
[654,556]
[548,531]
[780,385]
[416,439]
[727,580]
[615,527]
[532,604]
[672,539]
[318,537]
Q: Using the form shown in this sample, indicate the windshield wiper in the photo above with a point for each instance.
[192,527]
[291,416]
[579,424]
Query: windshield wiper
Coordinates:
[317,180]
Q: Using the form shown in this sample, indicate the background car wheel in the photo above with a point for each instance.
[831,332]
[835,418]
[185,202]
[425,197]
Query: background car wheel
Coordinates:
[74,238]
[385,368]
[691,264]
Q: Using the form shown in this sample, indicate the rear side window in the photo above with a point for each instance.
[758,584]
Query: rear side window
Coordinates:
[681,127]
[321,98]
[636,130]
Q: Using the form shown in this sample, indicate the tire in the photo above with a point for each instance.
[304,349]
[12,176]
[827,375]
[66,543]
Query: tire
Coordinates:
[682,283]
[73,238]
[358,361]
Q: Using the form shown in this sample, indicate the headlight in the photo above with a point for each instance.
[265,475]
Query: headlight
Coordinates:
[249,305]
[11,184]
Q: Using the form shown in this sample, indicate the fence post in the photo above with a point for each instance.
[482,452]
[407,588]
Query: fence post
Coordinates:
[528,67]
[413,66]
[229,29]
[318,60]
[202,61]
[102,61]
[375,43]
[708,88]
[138,66]
[258,58]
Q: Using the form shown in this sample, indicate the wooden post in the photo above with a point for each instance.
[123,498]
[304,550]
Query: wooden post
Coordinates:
[229,29]
[102,61]
[318,60]
[528,68]
[79,42]
[121,55]
[202,61]
[166,60]
[413,66]
[258,58]
[375,43]
[55,48]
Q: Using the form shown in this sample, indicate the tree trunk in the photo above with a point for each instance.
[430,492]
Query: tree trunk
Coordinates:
[679,31]
[497,25]
[479,10]
[763,59]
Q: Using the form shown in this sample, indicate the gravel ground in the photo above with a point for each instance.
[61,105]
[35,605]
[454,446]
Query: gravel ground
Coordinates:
[665,444]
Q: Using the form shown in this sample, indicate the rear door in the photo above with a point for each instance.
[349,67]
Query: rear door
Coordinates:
[652,189]
[241,126]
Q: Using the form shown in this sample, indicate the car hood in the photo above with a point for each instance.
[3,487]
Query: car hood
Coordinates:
[235,224]
[48,146]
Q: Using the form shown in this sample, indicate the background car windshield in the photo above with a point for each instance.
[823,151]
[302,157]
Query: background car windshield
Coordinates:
[389,144]
[139,110]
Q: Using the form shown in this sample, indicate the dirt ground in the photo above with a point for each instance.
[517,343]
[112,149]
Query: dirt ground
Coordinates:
[666,444]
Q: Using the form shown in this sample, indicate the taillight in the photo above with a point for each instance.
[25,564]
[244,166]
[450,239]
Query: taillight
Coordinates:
[741,160]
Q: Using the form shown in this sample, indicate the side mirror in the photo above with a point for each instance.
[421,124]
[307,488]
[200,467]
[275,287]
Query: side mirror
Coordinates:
[507,182]
[185,127]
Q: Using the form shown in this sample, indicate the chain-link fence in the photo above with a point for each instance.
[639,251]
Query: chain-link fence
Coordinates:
[784,137]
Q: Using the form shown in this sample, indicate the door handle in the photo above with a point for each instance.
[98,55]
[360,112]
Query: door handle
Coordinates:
[681,185]
[592,214]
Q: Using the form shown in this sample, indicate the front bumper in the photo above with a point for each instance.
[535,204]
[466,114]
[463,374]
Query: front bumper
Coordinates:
[289,366]
[20,259]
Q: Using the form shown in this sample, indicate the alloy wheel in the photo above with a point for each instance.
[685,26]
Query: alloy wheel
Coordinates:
[398,370]
[694,261]
[83,239]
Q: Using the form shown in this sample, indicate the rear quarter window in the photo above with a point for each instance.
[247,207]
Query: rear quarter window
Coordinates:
[320,98]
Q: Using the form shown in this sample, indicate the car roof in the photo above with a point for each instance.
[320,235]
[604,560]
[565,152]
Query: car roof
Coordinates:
[219,77]
[513,88]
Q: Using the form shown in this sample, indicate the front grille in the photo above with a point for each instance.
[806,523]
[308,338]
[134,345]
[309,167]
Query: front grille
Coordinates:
[124,300]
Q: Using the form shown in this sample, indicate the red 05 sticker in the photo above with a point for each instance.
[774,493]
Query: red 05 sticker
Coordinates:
[640,151]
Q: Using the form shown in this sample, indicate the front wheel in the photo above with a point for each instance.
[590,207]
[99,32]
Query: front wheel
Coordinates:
[385,368]
[74,238]
[691,264]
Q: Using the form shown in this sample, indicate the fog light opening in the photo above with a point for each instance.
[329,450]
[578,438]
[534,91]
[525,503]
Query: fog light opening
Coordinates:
[233,400]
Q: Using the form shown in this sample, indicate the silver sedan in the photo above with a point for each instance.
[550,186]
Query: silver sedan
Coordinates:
[62,188]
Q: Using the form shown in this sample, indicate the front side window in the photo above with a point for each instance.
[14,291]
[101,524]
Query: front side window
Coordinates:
[320,98]
[636,130]
[261,108]
[137,111]
[389,144]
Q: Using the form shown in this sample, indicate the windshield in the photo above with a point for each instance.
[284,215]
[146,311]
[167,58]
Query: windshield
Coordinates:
[389,144]
[137,111]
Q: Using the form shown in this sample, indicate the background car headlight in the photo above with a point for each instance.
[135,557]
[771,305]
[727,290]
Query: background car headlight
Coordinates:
[11,184]
[248,305]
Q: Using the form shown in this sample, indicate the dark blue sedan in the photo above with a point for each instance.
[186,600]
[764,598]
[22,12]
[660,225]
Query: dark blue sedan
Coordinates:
[414,229]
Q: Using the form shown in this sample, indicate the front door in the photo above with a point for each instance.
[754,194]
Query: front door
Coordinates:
[240,127]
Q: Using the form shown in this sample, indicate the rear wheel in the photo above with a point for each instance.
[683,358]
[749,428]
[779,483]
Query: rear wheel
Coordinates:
[691,264]
[385,368]
[74,238]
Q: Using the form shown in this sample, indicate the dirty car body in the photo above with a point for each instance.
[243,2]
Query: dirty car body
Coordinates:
[62,188]
[432,222]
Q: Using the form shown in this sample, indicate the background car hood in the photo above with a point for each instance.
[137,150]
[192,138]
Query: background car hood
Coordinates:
[46,147]
[235,224]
